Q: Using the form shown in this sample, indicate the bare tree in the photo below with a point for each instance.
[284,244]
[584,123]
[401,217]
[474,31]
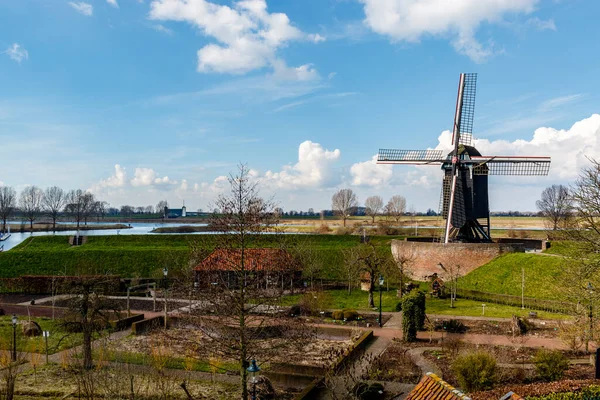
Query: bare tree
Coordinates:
[149,209]
[8,202]
[309,259]
[374,205]
[79,205]
[405,258]
[241,286]
[370,261]
[30,202]
[126,211]
[556,206]
[342,203]
[100,209]
[53,202]
[161,206]
[396,207]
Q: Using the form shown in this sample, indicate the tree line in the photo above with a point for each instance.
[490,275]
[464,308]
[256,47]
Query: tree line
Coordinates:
[345,202]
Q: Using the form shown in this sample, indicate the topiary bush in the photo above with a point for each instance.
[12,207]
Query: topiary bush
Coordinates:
[337,315]
[452,326]
[475,371]
[413,315]
[550,365]
[350,315]
[399,306]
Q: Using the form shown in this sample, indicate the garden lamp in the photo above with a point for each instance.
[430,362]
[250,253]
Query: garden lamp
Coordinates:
[14,349]
[253,369]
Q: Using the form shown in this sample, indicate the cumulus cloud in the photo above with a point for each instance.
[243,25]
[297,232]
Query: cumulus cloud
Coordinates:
[369,173]
[83,8]
[412,20]
[149,177]
[113,3]
[117,180]
[247,35]
[314,169]
[17,53]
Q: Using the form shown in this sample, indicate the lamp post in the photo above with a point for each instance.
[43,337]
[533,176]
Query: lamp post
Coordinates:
[165,273]
[14,347]
[591,290]
[253,370]
[380,287]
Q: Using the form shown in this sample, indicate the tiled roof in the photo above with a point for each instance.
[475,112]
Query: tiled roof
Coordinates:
[254,260]
[432,387]
[511,396]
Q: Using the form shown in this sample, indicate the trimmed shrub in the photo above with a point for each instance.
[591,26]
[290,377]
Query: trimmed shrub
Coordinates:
[350,315]
[475,371]
[550,365]
[452,326]
[337,315]
[295,310]
[399,306]
[586,393]
[413,314]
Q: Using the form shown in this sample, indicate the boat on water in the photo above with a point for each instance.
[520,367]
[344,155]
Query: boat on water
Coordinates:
[5,235]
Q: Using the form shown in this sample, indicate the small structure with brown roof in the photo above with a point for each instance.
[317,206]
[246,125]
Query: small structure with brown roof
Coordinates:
[432,387]
[260,267]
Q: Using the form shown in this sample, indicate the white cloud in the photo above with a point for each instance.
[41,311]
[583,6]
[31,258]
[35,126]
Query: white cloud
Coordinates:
[314,169]
[162,28]
[17,53]
[149,177]
[113,3]
[541,24]
[248,35]
[83,8]
[412,20]
[369,173]
[117,180]
[560,101]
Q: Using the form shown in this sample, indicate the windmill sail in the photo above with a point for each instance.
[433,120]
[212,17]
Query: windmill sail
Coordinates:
[393,156]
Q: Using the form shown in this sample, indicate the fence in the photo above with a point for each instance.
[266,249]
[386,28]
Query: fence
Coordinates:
[517,301]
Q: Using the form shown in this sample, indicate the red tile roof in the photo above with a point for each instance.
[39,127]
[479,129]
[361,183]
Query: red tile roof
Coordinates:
[432,387]
[254,260]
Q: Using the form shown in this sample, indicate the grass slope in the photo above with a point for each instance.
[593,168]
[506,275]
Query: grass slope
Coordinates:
[146,255]
[503,275]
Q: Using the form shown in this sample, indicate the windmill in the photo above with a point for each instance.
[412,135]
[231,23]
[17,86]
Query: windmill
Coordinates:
[464,200]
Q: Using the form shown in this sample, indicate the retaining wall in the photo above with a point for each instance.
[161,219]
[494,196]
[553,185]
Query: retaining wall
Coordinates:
[427,256]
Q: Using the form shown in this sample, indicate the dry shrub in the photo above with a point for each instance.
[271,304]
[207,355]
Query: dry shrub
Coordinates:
[550,365]
[312,303]
[324,228]
[452,345]
[344,230]
[475,371]
[572,334]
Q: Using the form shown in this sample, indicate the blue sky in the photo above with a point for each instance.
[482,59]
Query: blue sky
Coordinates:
[146,100]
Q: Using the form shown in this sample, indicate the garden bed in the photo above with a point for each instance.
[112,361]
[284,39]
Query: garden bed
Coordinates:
[136,304]
[543,329]
[395,365]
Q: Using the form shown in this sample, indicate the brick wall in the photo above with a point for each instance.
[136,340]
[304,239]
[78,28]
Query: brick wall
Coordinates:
[427,256]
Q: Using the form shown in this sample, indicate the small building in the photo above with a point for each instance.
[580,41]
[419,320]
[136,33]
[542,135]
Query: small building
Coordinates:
[262,267]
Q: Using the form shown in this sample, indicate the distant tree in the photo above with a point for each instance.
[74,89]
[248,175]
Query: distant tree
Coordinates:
[369,260]
[311,211]
[556,205]
[160,208]
[30,202]
[8,202]
[139,210]
[431,213]
[342,203]
[396,207]
[405,258]
[374,205]
[127,211]
[100,209]
[54,201]
[149,209]
[79,205]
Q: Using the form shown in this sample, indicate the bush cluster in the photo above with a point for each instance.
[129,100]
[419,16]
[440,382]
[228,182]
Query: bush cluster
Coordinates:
[369,391]
[550,365]
[413,314]
[452,326]
[475,371]
[346,314]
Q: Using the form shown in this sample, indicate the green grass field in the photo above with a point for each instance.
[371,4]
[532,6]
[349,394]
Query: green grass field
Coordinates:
[358,300]
[146,255]
[503,275]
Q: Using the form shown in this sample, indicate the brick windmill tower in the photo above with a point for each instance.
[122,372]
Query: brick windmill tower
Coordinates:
[464,201]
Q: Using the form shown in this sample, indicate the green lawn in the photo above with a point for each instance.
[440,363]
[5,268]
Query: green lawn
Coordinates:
[59,339]
[503,275]
[146,255]
[358,300]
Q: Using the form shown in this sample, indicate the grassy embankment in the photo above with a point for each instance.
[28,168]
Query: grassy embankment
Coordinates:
[146,255]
